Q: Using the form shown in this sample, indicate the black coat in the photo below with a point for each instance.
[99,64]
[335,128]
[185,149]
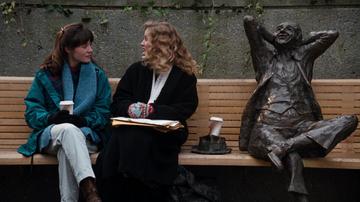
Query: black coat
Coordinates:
[145,153]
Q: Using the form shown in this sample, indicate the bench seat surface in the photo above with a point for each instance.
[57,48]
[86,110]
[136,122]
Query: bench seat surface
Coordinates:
[225,98]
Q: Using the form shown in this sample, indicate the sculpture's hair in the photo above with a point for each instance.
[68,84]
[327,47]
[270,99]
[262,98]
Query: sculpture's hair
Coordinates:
[298,31]
[70,36]
[167,49]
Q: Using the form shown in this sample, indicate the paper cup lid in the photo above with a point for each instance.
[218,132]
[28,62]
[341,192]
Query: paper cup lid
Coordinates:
[213,118]
[67,102]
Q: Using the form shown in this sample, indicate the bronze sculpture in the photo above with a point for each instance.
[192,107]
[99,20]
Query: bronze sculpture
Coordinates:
[282,121]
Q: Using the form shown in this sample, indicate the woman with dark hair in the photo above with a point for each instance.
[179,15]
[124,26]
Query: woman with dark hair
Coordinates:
[138,163]
[70,74]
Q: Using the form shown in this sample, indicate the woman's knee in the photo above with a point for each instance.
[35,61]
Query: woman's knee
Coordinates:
[68,129]
[63,127]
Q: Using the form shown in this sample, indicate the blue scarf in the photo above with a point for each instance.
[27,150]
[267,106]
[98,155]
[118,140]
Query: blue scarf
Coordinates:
[86,88]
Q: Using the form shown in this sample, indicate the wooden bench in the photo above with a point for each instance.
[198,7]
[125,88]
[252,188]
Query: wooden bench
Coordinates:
[217,97]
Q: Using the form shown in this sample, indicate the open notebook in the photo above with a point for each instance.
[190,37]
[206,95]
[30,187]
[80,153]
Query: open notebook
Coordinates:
[161,125]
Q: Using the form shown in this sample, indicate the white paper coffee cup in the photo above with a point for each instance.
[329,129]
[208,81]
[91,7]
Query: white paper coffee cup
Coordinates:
[215,125]
[67,105]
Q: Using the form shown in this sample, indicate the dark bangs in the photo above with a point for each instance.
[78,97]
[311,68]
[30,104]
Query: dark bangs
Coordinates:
[78,36]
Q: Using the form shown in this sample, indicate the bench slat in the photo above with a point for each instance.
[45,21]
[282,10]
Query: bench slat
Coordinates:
[242,159]
[15,129]
[13,94]
[13,158]
[229,96]
[46,159]
[236,158]
[12,108]
[337,96]
[14,86]
[339,89]
[12,115]
[13,135]
[13,101]
[12,122]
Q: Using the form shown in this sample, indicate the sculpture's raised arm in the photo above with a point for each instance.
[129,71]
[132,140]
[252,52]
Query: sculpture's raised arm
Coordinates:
[260,53]
[251,30]
[318,42]
[266,35]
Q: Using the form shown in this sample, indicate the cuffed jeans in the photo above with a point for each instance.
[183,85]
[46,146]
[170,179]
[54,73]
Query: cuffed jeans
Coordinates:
[72,150]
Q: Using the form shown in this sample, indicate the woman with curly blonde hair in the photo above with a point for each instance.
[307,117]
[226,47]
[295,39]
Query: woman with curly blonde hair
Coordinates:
[166,48]
[139,163]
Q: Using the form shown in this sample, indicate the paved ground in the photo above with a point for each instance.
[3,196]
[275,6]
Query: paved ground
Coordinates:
[245,184]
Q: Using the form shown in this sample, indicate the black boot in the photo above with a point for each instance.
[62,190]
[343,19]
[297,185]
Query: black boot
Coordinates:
[89,191]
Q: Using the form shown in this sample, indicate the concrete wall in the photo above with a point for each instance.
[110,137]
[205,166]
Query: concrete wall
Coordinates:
[117,41]
[117,46]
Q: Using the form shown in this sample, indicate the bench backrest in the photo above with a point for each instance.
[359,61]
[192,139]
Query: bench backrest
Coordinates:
[225,98]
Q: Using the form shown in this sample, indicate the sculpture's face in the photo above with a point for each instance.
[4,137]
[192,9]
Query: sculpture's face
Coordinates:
[286,34]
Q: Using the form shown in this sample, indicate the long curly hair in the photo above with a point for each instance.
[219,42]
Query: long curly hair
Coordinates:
[167,49]
[70,36]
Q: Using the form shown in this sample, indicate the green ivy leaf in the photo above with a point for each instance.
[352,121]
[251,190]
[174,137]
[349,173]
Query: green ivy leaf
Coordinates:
[24,44]
[128,8]
[104,21]
[151,3]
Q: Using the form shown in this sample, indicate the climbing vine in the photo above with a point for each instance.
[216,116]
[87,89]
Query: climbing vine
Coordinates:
[8,11]
[209,12]
[148,9]
[12,13]
[209,22]
[58,8]
[254,7]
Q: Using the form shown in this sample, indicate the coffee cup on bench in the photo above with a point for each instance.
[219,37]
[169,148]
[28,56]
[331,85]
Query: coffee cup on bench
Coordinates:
[215,125]
[212,143]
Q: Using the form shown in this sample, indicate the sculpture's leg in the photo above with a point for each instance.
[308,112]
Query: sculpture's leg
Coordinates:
[265,142]
[316,138]
[300,197]
[262,137]
[293,144]
[328,133]
[295,168]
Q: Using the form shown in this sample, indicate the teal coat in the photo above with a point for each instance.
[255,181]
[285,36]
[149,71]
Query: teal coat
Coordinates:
[43,100]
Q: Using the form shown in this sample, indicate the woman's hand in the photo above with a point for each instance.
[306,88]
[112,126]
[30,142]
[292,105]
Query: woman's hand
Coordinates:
[140,110]
[63,116]
[59,117]
[78,121]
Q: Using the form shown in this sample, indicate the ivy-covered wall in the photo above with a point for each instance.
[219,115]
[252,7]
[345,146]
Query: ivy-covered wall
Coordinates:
[212,30]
